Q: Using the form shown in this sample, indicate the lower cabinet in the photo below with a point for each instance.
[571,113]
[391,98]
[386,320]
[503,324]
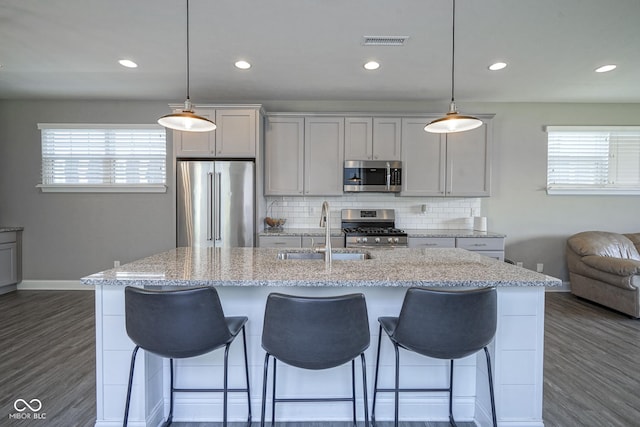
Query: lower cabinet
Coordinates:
[298,241]
[10,259]
[489,246]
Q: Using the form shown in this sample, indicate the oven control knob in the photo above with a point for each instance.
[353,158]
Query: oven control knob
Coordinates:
[390,240]
[358,240]
[377,239]
[396,240]
[364,240]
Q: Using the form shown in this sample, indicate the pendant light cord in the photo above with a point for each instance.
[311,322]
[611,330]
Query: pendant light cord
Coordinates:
[453,50]
[188,50]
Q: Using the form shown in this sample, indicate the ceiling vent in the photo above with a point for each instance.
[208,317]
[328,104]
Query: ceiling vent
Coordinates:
[384,40]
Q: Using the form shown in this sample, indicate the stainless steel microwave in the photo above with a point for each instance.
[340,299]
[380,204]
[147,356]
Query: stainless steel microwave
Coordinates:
[378,176]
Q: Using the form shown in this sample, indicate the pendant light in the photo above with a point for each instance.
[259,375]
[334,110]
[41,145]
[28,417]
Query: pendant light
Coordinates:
[452,121]
[187,120]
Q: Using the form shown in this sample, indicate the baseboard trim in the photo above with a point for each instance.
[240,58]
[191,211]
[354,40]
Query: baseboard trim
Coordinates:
[53,285]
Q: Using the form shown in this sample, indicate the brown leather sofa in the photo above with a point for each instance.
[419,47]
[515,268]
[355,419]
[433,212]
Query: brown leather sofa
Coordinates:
[604,267]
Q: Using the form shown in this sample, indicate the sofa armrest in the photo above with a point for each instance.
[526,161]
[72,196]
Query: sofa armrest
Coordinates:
[617,266]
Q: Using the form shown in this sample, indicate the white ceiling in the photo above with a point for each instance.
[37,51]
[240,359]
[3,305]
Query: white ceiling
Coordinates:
[311,50]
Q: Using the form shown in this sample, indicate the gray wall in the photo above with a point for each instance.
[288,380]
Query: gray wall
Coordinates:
[70,235]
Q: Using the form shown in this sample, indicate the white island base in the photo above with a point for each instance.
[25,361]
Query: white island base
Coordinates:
[517,356]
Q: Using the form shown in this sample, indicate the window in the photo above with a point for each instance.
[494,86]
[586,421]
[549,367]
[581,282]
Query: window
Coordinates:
[103,158]
[593,159]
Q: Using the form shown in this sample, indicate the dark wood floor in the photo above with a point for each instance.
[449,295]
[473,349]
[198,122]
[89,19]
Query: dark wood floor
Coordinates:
[47,351]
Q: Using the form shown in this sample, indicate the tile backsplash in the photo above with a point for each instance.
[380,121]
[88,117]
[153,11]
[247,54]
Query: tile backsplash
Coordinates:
[441,213]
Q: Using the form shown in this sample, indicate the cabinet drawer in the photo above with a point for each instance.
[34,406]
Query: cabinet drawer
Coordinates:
[279,242]
[8,237]
[481,243]
[310,242]
[432,242]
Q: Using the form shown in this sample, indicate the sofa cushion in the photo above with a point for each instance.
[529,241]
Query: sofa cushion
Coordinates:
[603,243]
[617,266]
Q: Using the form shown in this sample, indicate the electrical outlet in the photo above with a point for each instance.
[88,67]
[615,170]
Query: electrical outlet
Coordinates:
[520,264]
[539,267]
[116,264]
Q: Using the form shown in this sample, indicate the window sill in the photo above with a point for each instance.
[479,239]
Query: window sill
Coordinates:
[592,192]
[112,188]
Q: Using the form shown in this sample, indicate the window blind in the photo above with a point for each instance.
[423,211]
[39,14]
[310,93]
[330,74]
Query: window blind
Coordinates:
[103,156]
[593,160]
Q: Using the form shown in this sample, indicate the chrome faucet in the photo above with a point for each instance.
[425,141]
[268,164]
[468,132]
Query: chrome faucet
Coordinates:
[325,222]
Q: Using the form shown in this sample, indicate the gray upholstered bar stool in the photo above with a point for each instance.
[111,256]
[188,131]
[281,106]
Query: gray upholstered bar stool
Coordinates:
[443,324]
[178,324]
[315,333]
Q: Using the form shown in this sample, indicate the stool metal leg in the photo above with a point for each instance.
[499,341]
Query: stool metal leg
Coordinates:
[493,403]
[397,389]
[246,371]
[273,397]
[353,390]
[452,421]
[225,384]
[126,406]
[172,389]
[375,379]
[364,391]
[264,389]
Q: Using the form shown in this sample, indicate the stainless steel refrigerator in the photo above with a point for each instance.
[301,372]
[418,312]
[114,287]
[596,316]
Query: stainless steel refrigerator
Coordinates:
[215,203]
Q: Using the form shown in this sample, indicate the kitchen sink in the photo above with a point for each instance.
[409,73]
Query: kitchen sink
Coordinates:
[335,256]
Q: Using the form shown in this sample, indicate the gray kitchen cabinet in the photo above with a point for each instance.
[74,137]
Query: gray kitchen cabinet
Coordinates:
[279,241]
[445,165]
[235,136]
[372,138]
[304,156]
[311,242]
[10,260]
[284,156]
[323,156]
[431,242]
[489,246]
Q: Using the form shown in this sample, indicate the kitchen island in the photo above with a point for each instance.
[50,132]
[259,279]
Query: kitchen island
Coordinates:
[245,276]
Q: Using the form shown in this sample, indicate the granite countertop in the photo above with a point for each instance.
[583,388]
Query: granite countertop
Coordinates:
[9,229]
[399,267]
[410,232]
[451,233]
[335,232]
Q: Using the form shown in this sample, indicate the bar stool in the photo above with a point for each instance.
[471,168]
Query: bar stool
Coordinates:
[178,324]
[315,333]
[443,324]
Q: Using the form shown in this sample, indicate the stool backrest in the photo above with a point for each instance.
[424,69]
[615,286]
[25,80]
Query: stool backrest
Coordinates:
[447,324]
[176,323]
[315,332]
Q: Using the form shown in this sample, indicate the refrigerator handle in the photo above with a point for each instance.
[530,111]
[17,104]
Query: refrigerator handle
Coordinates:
[209,202]
[218,207]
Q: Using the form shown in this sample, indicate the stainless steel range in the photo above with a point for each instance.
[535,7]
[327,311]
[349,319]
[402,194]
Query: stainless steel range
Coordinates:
[371,228]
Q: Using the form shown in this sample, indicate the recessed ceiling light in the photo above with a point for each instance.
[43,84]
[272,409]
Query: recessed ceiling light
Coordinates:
[372,65]
[128,63]
[497,66]
[243,65]
[606,68]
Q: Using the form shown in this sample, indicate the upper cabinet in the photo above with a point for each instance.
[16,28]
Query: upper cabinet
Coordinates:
[372,138]
[452,165]
[235,136]
[304,156]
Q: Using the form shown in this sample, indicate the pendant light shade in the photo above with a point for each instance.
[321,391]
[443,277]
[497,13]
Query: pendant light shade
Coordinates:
[453,121]
[187,120]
